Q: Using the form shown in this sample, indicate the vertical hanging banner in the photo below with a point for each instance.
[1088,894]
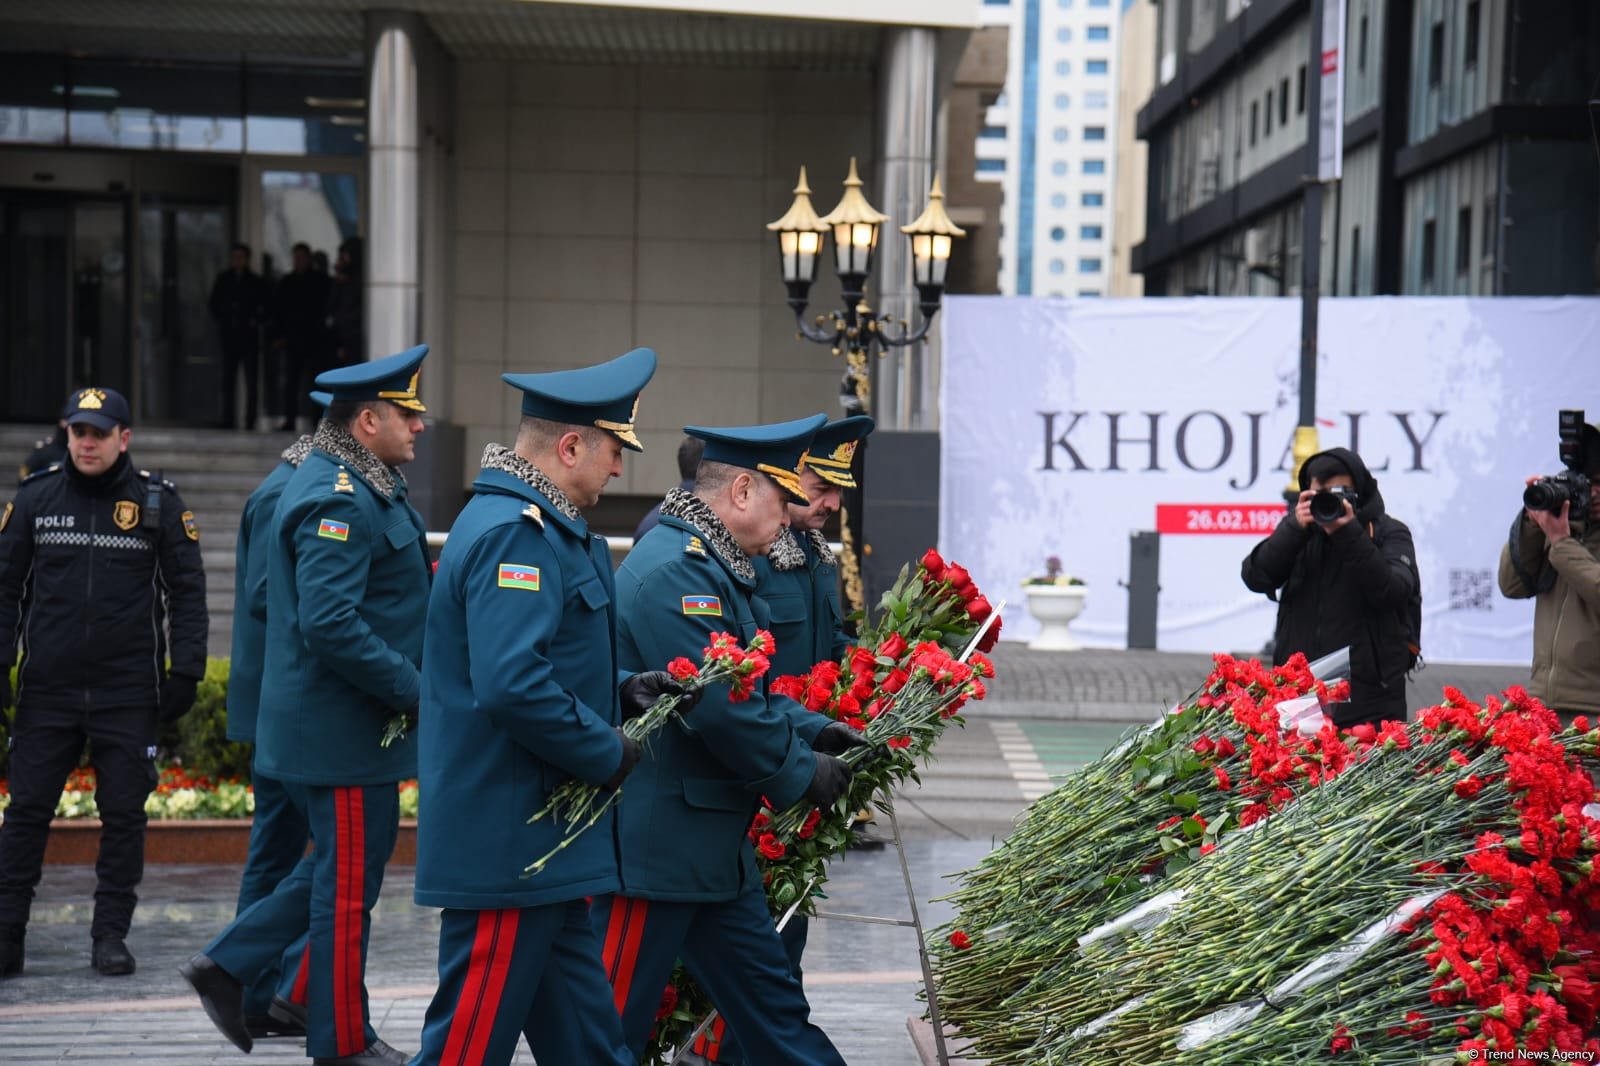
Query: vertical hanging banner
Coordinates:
[1067,426]
[1330,143]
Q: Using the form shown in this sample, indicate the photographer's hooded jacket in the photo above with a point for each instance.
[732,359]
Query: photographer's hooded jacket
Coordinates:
[1566,615]
[1348,588]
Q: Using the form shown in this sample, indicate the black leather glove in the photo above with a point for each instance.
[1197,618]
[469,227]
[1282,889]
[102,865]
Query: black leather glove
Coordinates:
[7,697]
[630,759]
[177,696]
[829,782]
[640,692]
[837,738]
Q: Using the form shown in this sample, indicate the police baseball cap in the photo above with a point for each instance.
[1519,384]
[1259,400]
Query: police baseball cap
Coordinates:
[101,408]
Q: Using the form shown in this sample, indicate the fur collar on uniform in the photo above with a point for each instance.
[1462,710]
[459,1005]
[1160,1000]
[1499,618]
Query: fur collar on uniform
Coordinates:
[499,457]
[296,453]
[688,508]
[787,554]
[338,442]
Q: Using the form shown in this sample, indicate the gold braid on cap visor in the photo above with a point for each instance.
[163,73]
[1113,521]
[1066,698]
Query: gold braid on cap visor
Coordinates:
[835,467]
[623,430]
[408,398]
[788,479]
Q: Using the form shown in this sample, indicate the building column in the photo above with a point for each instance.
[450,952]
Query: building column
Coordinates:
[394,164]
[906,396]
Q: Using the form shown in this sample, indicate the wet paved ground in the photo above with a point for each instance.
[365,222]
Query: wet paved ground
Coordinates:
[1047,714]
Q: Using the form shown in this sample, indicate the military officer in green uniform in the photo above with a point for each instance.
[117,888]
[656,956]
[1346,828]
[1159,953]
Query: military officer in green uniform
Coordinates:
[798,580]
[519,694]
[689,881]
[347,591]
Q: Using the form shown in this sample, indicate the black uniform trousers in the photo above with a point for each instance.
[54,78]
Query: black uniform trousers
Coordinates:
[46,743]
[239,351]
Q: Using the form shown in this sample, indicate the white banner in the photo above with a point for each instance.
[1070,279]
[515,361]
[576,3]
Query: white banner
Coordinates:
[1069,425]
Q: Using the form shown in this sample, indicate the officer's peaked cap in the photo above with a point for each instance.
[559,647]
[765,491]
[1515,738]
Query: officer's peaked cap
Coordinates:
[833,449]
[604,396]
[101,408]
[393,378]
[776,449]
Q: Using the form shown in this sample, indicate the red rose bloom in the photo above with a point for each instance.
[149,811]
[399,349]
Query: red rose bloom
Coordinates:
[810,826]
[895,681]
[669,1003]
[957,575]
[933,564]
[894,647]
[991,638]
[979,610]
[770,846]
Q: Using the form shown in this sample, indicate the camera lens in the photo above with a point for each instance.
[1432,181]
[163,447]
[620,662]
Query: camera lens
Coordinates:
[1327,506]
[1543,495]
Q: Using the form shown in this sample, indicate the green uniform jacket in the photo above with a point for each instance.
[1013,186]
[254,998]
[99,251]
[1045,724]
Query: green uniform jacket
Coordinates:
[251,551]
[807,621]
[347,590]
[686,806]
[519,693]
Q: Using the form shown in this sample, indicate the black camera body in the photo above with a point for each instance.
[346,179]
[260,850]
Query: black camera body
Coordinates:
[1571,485]
[1327,505]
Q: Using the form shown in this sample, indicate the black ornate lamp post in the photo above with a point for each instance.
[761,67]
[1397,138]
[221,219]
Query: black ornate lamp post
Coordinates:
[855,331]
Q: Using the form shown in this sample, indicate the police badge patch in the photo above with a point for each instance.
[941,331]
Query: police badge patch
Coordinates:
[125,514]
[190,528]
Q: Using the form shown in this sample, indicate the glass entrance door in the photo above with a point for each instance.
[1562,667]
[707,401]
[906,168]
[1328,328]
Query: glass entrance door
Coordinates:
[181,249]
[63,301]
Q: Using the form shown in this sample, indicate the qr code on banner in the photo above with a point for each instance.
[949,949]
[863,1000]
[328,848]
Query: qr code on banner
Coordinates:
[1471,590]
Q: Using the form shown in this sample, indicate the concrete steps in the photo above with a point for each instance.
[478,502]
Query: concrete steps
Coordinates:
[215,471]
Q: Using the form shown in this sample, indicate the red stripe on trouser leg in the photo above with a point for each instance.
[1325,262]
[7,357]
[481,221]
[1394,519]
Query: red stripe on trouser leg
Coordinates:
[472,1021]
[628,955]
[302,977]
[349,1026]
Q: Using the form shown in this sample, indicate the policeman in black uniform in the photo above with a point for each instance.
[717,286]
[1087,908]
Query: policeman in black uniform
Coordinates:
[98,561]
[52,449]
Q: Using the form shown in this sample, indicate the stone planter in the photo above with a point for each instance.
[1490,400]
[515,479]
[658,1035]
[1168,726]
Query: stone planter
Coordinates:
[1054,606]
[74,841]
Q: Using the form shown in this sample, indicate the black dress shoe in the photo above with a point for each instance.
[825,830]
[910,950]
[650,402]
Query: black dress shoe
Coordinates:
[222,997]
[376,1054]
[11,937]
[111,957]
[287,1012]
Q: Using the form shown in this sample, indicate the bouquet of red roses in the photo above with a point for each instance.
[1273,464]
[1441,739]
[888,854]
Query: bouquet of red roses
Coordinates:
[579,805]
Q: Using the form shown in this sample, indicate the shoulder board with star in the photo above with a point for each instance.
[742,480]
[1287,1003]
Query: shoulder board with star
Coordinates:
[534,515]
[342,482]
[694,546]
[53,468]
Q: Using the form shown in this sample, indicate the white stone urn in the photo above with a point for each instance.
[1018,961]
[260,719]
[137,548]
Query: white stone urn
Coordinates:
[1055,606]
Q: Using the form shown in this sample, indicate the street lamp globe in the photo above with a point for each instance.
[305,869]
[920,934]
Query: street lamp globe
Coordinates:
[800,236]
[855,225]
[931,236]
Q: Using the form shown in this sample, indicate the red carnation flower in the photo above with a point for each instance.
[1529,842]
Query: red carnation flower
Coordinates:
[960,941]
[899,742]
[1341,1041]
[682,669]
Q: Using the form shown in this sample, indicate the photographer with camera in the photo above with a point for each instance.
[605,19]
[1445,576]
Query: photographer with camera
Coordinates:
[1553,557]
[1344,574]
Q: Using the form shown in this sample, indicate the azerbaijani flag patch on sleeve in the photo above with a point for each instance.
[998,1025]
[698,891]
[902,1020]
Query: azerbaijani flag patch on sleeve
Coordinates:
[711,605]
[517,576]
[327,527]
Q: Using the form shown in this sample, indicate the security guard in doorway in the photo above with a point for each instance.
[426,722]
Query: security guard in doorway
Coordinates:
[520,694]
[99,561]
[347,589]
[700,896]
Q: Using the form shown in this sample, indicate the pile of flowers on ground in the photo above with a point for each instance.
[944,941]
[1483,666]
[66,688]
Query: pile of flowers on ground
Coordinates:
[902,685]
[1432,898]
[181,796]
